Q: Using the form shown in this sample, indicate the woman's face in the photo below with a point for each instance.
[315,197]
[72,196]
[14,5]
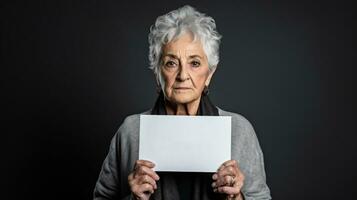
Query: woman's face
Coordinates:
[184,70]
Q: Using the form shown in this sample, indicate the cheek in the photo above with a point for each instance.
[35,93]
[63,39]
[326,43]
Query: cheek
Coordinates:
[200,78]
[168,79]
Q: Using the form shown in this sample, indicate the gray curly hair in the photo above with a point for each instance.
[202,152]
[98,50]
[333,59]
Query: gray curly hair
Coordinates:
[172,25]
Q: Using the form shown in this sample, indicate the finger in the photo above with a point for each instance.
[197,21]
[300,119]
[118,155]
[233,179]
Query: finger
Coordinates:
[220,183]
[143,170]
[131,181]
[142,195]
[131,176]
[238,184]
[145,163]
[228,163]
[225,181]
[147,179]
[228,190]
[240,177]
[144,188]
[228,171]
[229,180]
[135,190]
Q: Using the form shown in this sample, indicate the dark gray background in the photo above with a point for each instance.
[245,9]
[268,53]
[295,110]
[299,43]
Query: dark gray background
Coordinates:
[72,71]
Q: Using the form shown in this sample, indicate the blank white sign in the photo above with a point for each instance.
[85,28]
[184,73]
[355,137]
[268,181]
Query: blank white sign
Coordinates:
[185,143]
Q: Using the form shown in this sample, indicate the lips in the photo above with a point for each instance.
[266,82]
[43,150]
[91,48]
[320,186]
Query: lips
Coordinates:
[182,88]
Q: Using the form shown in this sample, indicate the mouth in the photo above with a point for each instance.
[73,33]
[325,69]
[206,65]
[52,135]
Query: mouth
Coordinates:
[182,88]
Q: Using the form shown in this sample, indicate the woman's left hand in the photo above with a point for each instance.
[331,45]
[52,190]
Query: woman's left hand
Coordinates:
[229,180]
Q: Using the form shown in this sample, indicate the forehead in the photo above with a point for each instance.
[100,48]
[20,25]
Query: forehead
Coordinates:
[184,46]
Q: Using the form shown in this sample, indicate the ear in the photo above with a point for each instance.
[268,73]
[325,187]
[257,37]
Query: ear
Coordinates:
[211,72]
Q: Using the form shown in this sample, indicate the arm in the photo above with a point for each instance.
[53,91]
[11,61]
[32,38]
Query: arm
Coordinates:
[255,186]
[108,183]
[121,177]
[250,163]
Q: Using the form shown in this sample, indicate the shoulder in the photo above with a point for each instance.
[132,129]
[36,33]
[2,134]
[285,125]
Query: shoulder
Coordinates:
[238,120]
[130,125]
[243,133]
[134,118]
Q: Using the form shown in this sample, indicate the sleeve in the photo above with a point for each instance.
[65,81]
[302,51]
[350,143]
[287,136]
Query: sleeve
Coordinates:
[108,183]
[255,187]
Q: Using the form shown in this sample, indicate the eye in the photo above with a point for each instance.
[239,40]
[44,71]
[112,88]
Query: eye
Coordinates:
[195,63]
[170,63]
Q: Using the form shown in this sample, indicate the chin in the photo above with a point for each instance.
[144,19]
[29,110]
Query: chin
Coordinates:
[184,98]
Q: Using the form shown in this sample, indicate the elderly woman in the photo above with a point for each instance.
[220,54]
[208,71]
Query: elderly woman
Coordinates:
[184,47]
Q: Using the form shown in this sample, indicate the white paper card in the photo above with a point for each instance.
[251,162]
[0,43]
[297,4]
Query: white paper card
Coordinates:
[185,143]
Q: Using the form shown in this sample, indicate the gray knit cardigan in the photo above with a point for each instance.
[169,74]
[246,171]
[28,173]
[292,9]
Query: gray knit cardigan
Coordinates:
[123,152]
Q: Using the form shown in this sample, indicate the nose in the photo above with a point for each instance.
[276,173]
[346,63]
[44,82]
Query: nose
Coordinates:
[183,74]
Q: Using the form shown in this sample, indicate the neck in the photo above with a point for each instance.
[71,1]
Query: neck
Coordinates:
[182,109]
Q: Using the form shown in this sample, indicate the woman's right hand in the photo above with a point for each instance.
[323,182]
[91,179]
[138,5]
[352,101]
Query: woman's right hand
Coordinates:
[142,180]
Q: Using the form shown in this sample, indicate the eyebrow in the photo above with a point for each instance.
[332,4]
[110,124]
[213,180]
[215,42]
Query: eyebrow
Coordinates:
[174,56]
[195,56]
[171,55]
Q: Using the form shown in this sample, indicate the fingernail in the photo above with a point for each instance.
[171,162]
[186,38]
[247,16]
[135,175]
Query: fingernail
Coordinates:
[213,184]
[214,176]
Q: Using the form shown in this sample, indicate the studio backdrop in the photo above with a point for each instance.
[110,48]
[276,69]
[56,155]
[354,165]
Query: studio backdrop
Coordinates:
[73,70]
